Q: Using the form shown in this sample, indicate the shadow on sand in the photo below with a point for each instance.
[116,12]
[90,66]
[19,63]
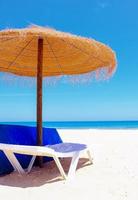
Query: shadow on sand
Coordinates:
[40,176]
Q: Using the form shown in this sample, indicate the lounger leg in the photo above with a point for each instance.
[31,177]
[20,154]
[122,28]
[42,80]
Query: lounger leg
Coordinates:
[73,164]
[31,164]
[11,161]
[60,167]
[89,156]
[14,162]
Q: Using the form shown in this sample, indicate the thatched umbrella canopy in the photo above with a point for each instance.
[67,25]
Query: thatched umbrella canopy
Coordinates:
[38,51]
[63,53]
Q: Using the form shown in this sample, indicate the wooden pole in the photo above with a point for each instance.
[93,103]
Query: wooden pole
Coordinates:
[39,95]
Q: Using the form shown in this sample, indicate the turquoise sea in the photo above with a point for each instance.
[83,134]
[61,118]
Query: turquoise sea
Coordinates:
[83,124]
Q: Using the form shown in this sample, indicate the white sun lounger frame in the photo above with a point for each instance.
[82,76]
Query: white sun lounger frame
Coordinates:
[10,149]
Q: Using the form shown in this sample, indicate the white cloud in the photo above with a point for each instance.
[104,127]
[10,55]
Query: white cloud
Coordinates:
[15,95]
[103,4]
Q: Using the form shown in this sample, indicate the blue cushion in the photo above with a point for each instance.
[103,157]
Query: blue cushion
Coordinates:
[24,135]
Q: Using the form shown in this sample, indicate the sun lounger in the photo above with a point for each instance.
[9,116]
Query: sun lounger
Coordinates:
[56,151]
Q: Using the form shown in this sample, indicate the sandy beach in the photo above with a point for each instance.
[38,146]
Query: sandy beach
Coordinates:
[113,175]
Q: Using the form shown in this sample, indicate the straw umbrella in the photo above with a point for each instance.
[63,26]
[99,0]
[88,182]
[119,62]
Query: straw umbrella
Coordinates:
[41,52]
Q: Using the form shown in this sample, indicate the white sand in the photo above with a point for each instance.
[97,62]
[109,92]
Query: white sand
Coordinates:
[113,175]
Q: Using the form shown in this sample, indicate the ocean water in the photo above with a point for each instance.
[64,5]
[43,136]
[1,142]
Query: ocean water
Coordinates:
[83,124]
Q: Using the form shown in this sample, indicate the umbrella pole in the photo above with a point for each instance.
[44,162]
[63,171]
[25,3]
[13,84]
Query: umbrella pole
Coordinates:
[39,96]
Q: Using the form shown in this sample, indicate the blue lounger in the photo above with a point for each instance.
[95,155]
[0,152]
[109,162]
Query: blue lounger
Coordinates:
[23,135]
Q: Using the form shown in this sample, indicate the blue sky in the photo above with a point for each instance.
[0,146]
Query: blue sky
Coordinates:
[112,22]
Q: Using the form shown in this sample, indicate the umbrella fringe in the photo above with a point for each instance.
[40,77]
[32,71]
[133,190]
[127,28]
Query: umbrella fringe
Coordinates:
[98,75]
